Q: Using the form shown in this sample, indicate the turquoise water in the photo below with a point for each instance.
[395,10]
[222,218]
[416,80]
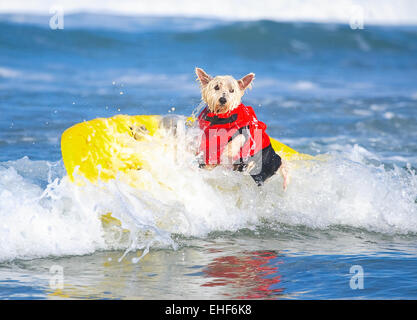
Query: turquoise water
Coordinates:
[320,88]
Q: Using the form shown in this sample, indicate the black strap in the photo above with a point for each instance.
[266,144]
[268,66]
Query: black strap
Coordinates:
[216,120]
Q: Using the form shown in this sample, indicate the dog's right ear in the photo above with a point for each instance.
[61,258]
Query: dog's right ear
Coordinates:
[202,76]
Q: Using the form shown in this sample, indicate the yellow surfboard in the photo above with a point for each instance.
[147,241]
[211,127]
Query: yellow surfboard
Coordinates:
[99,149]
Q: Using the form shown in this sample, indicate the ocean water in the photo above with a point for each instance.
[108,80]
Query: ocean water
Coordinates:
[346,228]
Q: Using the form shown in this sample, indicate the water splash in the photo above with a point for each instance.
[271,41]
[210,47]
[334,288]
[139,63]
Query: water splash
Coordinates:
[43,214]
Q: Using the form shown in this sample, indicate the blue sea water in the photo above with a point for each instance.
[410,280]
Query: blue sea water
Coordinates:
[320,88]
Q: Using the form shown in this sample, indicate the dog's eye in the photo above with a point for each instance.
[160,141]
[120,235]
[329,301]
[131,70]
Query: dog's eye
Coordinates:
[231,90]
[216,87]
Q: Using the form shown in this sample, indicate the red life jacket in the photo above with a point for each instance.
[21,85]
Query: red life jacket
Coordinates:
[220,129]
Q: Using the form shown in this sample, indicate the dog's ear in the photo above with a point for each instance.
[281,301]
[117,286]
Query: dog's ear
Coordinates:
[202,76]
[246,81]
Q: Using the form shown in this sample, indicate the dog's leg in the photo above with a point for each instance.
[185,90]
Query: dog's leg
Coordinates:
[138,132]
[232,149]
[284,170]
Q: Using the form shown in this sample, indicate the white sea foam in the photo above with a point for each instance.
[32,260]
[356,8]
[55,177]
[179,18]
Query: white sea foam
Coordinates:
[44,214]
[362,112]
[304,85]
[342,11]
[8,73]
[13,73]
[37,223]
[166,81]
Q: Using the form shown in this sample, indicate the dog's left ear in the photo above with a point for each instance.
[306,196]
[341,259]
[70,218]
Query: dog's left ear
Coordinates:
[246,81]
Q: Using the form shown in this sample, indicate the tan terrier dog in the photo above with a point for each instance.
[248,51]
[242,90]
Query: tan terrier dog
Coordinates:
[232,134]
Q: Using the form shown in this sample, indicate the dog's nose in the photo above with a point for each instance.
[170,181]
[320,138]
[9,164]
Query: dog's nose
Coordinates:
[222,100]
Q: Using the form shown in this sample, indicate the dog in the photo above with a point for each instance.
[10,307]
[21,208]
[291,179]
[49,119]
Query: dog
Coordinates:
[232,134]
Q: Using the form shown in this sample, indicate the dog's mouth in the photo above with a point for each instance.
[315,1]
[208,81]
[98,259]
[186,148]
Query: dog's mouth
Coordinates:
[220,108]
